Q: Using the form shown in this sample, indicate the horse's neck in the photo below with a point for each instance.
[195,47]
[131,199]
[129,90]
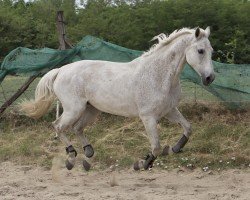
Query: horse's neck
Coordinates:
[169,60]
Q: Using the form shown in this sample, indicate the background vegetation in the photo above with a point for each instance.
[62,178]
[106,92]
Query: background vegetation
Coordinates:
[221,137]
[220,140]
[129,23]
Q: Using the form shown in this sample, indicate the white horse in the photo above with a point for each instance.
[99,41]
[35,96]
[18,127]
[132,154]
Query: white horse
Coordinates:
[147,87]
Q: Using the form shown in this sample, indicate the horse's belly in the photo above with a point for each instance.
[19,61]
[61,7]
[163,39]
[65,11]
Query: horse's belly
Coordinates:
[112,99]
[114,107]
[110,89]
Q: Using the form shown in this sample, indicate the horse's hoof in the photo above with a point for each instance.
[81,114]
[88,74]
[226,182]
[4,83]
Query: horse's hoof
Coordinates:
[88,151]
[56,137]
[149,161]
[136,166]
[86,165]
[69,165]
[166,151]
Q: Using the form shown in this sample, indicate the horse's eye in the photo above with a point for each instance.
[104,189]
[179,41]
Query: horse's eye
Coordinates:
[201,51]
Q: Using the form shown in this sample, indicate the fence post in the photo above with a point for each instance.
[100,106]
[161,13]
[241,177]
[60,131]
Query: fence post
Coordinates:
[60,24]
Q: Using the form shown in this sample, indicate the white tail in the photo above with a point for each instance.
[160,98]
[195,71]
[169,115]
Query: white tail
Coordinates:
[44,96]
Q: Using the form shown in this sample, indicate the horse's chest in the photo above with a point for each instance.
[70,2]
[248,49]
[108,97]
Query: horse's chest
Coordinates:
[173,98]
[160,102]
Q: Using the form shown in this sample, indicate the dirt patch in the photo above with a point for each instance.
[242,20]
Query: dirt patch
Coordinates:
[30,182]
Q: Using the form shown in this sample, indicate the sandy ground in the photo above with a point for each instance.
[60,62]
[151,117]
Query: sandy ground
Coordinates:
[29,182]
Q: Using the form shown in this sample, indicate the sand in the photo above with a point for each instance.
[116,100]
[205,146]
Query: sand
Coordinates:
[31,182]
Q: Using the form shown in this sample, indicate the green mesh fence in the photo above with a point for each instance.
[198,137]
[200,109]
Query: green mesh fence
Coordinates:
[232,83]
[23,60]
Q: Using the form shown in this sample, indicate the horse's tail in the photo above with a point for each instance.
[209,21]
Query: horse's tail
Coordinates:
[44,97]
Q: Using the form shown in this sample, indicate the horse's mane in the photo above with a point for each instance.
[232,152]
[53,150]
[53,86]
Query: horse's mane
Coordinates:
[165,40]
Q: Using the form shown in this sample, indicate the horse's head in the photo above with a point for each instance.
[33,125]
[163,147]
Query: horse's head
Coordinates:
[199,54]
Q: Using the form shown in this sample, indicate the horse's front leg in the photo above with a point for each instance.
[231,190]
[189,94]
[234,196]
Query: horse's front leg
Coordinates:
[150,124]
[177,117]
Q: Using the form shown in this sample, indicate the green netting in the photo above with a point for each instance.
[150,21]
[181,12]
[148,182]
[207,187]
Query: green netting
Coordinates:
[232,83]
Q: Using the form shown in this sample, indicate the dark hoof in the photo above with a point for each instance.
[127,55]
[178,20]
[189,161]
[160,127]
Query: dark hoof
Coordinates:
[177,151]
[86,165]
[71,149]
[166,151]
[69,165]
[56,137]
[149,161]
[136,166]
[180,144]
[88,151]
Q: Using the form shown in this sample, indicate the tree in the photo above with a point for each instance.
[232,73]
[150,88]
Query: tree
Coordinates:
[129,23]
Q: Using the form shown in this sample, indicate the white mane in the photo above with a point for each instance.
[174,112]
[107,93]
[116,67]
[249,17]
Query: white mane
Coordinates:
[164,39]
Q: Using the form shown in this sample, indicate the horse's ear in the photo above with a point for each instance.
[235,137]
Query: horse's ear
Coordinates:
[207,31]
[197,32]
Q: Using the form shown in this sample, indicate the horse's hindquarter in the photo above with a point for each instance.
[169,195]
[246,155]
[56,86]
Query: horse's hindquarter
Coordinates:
[109,86]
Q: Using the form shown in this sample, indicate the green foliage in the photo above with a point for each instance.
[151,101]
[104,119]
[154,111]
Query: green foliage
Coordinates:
[129,23]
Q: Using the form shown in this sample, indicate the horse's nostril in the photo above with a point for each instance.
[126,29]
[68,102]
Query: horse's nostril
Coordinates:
[208,79]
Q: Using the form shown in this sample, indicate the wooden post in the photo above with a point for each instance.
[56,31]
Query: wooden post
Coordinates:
[61,30]
[63,44]
[63,41]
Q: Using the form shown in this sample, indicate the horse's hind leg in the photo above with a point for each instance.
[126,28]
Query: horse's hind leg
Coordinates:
[69,117]
[88,117]
[176,116]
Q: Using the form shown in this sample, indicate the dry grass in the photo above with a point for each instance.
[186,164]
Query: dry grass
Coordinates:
[220,140]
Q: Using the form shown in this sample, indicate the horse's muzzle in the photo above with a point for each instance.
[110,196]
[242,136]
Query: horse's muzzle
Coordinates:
[207,80]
